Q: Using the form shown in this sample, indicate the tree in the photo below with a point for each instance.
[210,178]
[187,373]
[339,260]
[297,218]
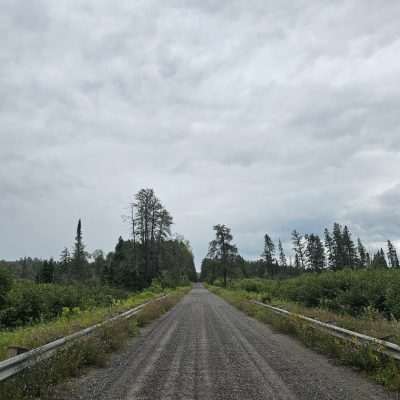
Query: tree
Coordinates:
[46,273]
[349,250]
[268,254]
[151,224]
[65,257]
[338,250]
[379,260]
[362,255]
[79,260]
[329,245]
[392,255]
[315,253]
[282,256]
[222,250]
[298,247]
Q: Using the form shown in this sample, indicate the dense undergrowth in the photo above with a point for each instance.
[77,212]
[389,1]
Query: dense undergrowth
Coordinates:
[28,303]
[367,358]
[95,350]
[348,292]
[72,319]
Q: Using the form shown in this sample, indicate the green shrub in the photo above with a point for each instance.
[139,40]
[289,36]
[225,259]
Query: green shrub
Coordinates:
[28,303]
[347,291]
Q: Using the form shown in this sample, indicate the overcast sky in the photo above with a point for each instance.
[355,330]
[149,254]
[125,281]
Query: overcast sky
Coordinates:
[263,115]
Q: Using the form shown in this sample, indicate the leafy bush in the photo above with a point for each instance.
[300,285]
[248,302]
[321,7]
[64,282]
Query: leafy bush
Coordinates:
[27,303]
[347,291]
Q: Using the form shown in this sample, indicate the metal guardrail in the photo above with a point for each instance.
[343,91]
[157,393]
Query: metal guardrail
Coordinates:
[14,365]
[382,346]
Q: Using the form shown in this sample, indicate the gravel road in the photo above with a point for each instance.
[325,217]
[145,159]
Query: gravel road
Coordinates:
[206,349]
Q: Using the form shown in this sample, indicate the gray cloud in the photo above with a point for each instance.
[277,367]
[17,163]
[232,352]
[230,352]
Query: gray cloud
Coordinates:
[266,116]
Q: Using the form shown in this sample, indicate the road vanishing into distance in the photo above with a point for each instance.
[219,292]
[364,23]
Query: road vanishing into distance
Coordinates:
[205,349]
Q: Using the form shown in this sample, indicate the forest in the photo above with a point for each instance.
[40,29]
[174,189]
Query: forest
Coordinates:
[34,290]
[311,254]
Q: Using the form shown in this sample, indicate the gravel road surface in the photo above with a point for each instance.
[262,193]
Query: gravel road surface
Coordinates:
[205,349]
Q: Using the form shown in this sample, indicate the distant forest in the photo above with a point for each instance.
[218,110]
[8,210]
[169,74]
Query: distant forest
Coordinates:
[335,251]
[150,253]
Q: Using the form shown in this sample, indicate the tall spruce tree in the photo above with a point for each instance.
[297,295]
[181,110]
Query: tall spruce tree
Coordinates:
[349,249]
[329,246]
[338,249]
[298,247]
[362,254]
[79,260]
[379,260]
[392,255]
[268,254]
[315,253]
[282,256]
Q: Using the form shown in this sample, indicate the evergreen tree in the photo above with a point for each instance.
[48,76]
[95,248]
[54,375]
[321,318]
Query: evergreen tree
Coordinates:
[24,271]
[222,250]
[315,253]
[298,247]
[329,245]
[392,255]
[338,248]
[362,255]
[65,257]
[349,250]
[79,261]
[282,256]
[46,273]
[268,254]
[379,260]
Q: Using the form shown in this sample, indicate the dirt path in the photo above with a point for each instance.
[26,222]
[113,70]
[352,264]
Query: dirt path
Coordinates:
[205,349]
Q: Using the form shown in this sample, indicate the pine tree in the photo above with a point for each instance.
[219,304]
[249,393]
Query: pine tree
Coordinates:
[79,261]
[338,250]
[282,256]
[268,254]
[222,250]
[379,260]
[46,273]
[298,247]
[329,246]
[362,255]
[349,250]
[392,255]
[315,253]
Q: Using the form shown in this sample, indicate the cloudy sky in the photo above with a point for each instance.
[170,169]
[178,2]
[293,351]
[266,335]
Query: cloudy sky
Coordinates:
[266,115]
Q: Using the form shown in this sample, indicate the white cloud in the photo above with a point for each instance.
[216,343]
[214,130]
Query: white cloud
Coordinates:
[266,115]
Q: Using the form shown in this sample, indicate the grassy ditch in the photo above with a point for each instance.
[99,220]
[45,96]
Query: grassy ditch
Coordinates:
[366,358]
[71,320]
[91,351]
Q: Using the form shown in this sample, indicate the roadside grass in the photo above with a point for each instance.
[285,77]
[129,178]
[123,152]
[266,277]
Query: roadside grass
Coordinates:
[370,322]
[72,320]
[366,358]
[40,381]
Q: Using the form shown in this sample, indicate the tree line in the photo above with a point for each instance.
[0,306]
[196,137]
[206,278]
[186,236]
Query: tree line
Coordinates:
[335,251]
[150,253]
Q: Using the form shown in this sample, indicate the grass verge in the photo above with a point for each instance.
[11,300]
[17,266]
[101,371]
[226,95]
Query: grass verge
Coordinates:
[366,358]
[91,351]
[72,320]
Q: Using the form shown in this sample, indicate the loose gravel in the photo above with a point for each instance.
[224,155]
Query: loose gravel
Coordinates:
[205,349]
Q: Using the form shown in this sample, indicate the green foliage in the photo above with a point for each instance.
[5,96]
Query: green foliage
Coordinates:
[6,282]
[41,381]
[27,303]
[346,291]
